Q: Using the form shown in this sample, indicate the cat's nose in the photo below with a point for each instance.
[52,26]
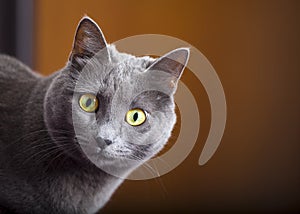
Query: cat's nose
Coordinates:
[108,142]
[102,143]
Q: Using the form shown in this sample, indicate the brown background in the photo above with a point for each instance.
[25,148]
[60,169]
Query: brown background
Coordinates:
[254,47]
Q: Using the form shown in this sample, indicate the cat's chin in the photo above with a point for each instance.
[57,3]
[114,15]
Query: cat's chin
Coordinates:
[113,164]
[103,157]
[118,167]
[119,158]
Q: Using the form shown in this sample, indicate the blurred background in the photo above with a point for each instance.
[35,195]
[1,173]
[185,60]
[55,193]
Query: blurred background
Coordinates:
[253,46]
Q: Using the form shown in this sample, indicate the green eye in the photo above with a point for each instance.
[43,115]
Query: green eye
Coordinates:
[88,102]
[135,117]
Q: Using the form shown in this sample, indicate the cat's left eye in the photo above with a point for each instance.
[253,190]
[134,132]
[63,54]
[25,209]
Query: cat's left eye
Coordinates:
[135,117]
[88,102]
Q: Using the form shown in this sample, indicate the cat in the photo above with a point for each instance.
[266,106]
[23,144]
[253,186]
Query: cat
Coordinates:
[68,140]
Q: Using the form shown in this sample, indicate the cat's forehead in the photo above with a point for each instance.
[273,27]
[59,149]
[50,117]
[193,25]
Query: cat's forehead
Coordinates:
[122,68]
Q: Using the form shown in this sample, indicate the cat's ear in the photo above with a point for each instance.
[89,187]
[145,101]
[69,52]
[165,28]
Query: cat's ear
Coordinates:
[171,65]
[88,41]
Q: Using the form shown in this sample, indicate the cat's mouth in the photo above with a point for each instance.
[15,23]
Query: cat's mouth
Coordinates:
[104,148]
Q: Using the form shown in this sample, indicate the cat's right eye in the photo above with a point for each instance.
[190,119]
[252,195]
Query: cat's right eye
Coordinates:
[88,102]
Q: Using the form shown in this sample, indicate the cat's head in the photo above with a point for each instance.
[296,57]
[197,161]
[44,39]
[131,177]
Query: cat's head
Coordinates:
[115,109]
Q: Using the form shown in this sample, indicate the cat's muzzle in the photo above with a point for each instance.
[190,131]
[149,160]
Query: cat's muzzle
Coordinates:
[103,143]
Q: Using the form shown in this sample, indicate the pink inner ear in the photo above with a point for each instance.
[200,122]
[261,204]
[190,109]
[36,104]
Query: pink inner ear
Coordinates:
[88,39]
[173,62]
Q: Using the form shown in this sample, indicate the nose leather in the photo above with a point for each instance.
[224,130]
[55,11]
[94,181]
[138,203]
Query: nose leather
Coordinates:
[102,143]
[108,142]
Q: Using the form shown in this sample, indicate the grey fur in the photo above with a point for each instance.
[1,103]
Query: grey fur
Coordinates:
[50,155]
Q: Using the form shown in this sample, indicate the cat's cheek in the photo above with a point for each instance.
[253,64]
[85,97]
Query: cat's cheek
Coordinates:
[85,126]
[142,129]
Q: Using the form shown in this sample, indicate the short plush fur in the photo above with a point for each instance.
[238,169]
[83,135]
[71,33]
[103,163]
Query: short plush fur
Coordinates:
[57,158]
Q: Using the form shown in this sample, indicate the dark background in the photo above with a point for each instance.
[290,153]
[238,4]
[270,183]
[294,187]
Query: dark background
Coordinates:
[8,29]
[16,29]
[253,46]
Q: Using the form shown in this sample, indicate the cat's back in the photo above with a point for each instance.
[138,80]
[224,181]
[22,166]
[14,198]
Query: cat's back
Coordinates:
[12,69]
[16,83]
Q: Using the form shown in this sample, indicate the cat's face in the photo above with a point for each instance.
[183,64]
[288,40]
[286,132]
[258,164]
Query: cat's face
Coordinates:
[118,108]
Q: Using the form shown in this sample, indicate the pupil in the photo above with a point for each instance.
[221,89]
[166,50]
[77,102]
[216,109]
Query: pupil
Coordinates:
[135,116]
[88,102]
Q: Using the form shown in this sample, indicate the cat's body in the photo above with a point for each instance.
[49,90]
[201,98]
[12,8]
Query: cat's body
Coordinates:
[54,157]
[40,184]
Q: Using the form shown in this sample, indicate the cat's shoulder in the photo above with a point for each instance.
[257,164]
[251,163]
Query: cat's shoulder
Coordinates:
[11,67]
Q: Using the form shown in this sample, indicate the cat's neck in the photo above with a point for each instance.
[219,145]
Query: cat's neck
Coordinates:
[37,139]
[33,139]
[69,173]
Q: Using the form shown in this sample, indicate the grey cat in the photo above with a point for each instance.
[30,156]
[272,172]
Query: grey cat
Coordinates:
[67,141]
